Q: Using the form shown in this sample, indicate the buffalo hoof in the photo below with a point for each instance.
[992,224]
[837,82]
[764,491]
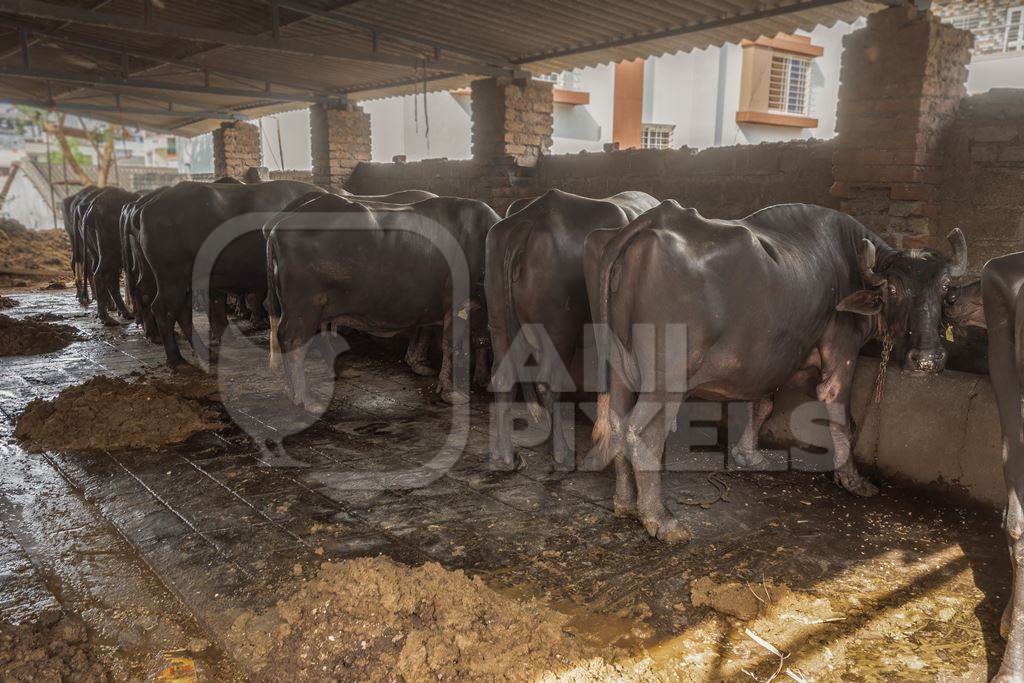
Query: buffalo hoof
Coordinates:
[625,508]
[110,322]
[667,528]
[455,398]
[506,463]
[422,369]
[312,405]
[856,483]
[750,459]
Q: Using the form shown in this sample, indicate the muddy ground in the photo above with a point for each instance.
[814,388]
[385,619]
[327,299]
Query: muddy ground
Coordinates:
[160,552]
[58,651]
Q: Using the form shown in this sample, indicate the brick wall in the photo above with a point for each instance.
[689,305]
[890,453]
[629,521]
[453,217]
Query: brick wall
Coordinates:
[987,17]
[902,78]
[340,141]
[983,183]
[720,182]
[292,174]
[236,147]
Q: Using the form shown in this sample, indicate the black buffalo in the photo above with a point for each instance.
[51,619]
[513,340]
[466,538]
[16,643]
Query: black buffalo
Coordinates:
[792,291]
[372,267]
[139,282]
[535,277]
[175,224]
[996,303]
[73,209]
[101,232]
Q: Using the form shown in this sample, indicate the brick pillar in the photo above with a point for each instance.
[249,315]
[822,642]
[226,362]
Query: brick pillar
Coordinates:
[236,148]
[901,81]
[512,117]
[340,141]
[513,120]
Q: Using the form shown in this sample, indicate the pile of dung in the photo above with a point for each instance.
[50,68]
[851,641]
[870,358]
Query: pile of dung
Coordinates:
[7,302]
[48,652]
[371,619]
[35,254]
[33,335]
[112,414]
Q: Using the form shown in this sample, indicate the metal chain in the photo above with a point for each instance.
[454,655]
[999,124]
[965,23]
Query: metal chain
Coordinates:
[879,391]
[887,343]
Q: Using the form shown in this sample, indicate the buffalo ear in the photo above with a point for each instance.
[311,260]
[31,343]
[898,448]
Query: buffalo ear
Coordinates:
[863,302]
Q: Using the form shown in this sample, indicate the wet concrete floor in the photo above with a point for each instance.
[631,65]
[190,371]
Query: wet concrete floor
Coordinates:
[158,551]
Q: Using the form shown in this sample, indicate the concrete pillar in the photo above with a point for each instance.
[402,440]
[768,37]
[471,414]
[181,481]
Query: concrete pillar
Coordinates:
[340,137]
[511,118]
[236,148]
[902,78]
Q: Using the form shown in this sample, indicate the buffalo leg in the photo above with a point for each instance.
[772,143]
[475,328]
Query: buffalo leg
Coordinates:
[503,384]
[294,334]
[561,452]
[834,393]
[119,302]
[745,452]
[167,309]
[645,433]
[454,353]
[217,314]
[101,288]
[481,367]
[416,352]
[620,397]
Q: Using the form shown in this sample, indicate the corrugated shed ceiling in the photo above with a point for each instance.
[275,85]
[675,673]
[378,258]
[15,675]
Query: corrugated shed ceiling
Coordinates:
[113,59]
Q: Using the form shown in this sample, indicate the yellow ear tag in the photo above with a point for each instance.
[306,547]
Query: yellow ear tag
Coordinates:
[949,333]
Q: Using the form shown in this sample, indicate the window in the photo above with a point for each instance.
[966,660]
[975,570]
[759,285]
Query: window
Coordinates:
[967,22]
[787,84]
[1014,29]
[775,81]
[656,136]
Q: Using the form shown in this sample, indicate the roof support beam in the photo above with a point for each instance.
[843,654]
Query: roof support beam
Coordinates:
[41,36]
[121,22]
[756,15]
[105,79]
[76,107]
[352,22]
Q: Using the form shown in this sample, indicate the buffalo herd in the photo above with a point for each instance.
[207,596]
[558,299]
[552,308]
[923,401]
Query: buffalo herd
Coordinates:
[673,306]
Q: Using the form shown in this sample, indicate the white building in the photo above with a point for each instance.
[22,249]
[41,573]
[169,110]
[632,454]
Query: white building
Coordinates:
[697,99]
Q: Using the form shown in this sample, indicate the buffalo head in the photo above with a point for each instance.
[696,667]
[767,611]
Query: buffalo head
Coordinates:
[906,290]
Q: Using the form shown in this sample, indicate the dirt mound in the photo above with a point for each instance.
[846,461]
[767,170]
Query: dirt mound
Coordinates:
[35,254]
[7,302]
[112,414]
[33,335]
[48,652]
[373,619]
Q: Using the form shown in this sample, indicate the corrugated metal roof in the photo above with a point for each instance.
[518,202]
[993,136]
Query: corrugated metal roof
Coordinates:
[404,45]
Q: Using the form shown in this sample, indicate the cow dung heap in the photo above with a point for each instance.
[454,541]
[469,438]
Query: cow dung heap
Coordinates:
[112,414]
[7,302]
[374,619]
[33,335]
[36,254]
[58,651]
